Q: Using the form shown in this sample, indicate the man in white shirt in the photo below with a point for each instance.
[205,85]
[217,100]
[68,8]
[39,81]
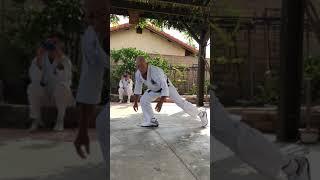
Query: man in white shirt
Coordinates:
[51,77]
[158,86]
[125,87]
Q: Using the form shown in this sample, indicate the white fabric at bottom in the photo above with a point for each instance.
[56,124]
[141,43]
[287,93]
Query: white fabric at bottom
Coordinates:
[247,143]
[38,96]
[101,127]
[125,91]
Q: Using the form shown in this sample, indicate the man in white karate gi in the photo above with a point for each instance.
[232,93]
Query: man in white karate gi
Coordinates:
[159,86]
[93,67]
[254,149]
[51,77]
[125,87]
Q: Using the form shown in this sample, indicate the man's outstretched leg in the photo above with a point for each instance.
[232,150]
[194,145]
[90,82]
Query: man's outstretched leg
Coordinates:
[187,106]
[253,148]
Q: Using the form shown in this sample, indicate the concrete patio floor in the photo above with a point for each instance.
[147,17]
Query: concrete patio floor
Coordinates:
[178,149]
[46,155]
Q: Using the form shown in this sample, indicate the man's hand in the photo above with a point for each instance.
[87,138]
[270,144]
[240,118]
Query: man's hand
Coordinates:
[159,104]
[82,140]
[135,106]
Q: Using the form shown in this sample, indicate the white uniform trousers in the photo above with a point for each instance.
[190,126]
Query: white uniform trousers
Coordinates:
[38,96]
[125,91]
[247,143]
[150,96]
[101,127]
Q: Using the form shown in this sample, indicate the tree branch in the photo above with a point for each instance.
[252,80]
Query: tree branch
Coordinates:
[191,32]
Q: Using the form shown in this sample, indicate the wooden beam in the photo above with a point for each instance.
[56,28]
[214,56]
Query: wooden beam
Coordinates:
[187,2]
[162,8]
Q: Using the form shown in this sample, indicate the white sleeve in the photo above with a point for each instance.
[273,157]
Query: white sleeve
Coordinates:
[104,58]
[90,46]
[130,84]
[163,82]
[93,49]
[35,73]
[65,75]
[68,70]
[138,86]
[120,84]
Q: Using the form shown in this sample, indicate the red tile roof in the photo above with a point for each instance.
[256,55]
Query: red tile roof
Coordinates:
[158,32]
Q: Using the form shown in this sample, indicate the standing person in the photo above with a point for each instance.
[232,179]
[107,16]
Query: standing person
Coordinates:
[93,67]
[51,76]
[125,87]
[158,86]
[254,149]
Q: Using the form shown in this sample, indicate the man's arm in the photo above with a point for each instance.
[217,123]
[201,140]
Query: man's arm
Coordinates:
[34,71]
[138,86]
[90,48]
[163,83]
[120,83]
[164,88]
[130,84]
[137,90]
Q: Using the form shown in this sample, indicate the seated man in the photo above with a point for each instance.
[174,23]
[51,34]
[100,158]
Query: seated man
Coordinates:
[125,87]
[50,74]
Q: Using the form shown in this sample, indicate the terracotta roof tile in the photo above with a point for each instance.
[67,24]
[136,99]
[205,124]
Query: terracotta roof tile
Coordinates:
[160,33]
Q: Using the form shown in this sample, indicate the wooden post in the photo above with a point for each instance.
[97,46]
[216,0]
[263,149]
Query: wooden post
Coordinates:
[251,64]
[201,68]
[290,69]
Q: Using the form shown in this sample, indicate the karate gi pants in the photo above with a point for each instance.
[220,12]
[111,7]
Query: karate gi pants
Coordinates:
[150,96]
[61,97]
[247,143]
[125,91]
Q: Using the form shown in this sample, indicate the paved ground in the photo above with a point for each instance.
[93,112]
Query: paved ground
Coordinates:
[178,149]
[46,156]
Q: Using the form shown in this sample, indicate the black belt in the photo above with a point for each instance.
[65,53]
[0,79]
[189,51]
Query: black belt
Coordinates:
[160,88]
[155,91]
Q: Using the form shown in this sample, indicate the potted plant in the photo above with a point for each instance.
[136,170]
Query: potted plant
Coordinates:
[308,134]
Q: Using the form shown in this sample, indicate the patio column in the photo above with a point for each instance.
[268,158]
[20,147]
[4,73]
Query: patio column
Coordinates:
[290,69]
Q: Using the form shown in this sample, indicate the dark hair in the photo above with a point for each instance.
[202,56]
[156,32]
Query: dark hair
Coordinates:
[48,45]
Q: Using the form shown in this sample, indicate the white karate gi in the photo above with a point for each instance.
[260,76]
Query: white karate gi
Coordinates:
[94,63]
[57,91]
[159,85]
[92,69]
[247,143]
[125,88]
